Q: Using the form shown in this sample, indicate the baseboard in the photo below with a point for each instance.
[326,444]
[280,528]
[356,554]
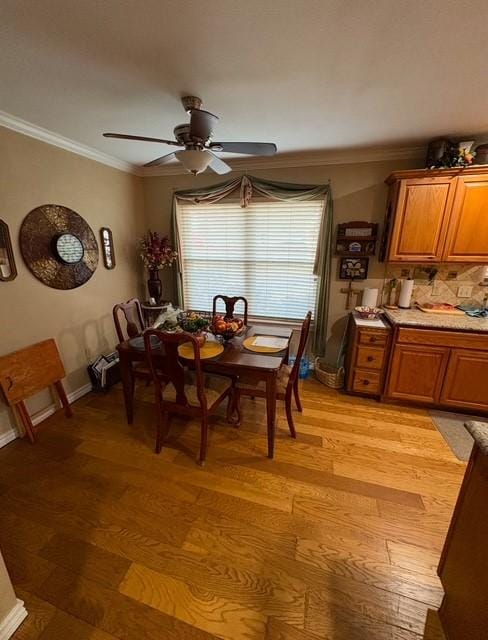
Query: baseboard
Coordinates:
[12,622]
[39,416]
[7,437]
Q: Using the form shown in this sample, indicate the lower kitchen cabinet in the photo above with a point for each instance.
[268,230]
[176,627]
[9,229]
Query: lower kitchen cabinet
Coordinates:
[466,382]
[417,365]
[367,356]
[417,373]
[444,368]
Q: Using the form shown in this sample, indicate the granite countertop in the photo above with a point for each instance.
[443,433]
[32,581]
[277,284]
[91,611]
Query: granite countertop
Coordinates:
[417,318]
[479,431]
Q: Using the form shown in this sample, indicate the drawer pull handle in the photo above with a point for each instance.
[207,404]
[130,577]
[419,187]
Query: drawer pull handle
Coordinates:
[370,358]
[373,339]
[365,382]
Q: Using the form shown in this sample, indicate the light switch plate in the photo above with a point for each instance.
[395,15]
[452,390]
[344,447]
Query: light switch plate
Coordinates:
[465,291]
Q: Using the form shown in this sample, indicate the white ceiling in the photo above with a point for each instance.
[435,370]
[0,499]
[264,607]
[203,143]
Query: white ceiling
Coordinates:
[306,74]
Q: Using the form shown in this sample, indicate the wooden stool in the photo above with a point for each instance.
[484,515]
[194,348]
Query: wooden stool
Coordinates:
[28,371]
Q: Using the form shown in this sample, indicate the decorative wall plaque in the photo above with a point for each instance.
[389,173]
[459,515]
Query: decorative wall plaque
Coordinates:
[8,270]
[108,251]
[356,238]
[58,246]
[353,268]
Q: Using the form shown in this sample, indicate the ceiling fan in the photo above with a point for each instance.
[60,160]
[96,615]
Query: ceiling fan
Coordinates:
[195,137]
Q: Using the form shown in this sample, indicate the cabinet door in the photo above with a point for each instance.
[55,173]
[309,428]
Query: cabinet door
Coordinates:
[420,220]
[467,239]
[466,382]
[417,372]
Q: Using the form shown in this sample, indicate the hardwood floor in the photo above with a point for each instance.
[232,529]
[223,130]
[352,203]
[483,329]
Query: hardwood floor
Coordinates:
[337,538]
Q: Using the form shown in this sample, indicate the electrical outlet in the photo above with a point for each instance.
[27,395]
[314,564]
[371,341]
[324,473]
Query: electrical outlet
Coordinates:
[465,291]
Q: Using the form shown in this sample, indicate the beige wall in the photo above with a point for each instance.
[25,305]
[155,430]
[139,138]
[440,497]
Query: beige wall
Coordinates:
[33,173]
[359,194]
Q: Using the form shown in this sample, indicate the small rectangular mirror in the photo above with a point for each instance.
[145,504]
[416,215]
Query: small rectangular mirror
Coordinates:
[107,248]
[8,270]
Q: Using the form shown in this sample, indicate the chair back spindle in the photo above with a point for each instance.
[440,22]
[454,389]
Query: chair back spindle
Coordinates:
[132,312]
[166,366]
[230,303]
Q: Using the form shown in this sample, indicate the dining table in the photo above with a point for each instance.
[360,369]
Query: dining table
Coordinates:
[235,360]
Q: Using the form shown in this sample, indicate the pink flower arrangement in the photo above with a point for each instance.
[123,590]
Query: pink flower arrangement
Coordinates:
[156,251]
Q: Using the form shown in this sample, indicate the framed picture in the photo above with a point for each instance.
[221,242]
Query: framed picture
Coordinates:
[353,268]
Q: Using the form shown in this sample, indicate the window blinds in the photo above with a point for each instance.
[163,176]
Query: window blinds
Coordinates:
[264,252]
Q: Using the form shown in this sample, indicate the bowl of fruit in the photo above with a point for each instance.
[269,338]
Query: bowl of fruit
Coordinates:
[227,328]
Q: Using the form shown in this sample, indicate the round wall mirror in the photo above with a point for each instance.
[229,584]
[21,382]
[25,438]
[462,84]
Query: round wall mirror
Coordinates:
[58,246]
[69,248]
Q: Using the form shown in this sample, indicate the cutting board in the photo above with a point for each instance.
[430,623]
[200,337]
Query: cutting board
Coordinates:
[444,312]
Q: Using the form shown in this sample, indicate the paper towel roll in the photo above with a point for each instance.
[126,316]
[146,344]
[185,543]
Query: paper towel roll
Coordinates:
[370,297]
[406,294]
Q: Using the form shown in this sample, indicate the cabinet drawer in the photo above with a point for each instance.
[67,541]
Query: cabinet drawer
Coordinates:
[370,357]
[366,381]
[461,339]
[369,336]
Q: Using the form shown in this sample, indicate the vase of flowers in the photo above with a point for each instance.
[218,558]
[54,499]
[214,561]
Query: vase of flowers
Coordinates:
[156,253]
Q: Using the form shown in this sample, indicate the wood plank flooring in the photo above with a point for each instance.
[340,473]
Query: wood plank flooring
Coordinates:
[338,538]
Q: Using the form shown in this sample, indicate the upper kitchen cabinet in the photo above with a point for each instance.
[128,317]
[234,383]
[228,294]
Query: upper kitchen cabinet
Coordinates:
[467,238]
[437,216]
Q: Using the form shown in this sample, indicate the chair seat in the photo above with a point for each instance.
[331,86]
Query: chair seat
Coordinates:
[214,387]
[247,386]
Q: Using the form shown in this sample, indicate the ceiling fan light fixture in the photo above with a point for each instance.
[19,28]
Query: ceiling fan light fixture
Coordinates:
[194,160]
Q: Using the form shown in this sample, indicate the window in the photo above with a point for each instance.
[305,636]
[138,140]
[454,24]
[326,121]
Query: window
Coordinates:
[264,252]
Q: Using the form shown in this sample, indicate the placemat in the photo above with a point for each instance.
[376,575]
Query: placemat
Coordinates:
[209,350]
[249,344]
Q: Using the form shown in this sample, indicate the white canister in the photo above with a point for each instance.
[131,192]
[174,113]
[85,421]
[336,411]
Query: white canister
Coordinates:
[370,297]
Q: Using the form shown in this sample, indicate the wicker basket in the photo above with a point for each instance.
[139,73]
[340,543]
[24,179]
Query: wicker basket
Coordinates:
[329,375]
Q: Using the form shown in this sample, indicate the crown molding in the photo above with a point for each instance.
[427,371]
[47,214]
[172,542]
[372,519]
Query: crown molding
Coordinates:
[39,133]
[279,161]
[304,159]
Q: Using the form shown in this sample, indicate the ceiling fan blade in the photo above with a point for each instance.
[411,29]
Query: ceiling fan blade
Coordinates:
[250,148]
[202,124]
[161,160]
[218,165]
[125,136]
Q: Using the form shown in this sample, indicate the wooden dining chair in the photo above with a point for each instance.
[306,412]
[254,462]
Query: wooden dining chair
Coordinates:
[181,391]
[286,384]
[230,303]
[134,326]
[134,320]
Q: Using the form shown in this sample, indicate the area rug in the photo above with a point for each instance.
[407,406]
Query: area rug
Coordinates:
[451,427]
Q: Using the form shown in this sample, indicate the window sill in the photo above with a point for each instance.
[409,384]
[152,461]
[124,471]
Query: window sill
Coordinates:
[294,324]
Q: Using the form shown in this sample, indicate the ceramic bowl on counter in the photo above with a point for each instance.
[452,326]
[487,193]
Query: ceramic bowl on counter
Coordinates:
[368,313]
